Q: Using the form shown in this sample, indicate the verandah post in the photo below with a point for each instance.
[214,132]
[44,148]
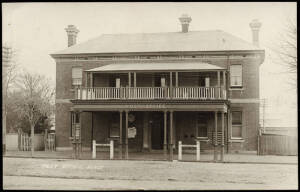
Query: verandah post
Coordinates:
[224,85]
[171,136]
[216,136]
[134,79]
[171,85]
[223,145]
[126,135]
[120,141]
[176,79]
[165,134]
[218,88]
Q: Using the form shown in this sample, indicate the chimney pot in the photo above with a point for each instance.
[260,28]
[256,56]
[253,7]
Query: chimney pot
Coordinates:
[72,32]
[255,27]
[185,21]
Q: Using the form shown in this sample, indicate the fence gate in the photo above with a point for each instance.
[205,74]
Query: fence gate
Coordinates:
[24,141]
[49,141]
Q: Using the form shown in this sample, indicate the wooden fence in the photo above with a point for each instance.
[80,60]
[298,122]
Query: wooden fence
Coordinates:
[25,142]
[278,145]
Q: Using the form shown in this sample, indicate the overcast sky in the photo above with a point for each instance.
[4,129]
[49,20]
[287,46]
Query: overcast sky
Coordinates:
[36,30]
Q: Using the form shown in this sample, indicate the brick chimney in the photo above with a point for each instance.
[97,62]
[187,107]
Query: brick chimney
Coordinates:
[255,26]
[185,21]
[72,34]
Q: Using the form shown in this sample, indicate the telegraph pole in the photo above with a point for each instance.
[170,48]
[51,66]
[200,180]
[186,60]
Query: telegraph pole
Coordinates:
[6,59]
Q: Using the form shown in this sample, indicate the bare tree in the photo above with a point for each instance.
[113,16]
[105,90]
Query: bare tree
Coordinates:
[35,101]
[9,68]
[287,51]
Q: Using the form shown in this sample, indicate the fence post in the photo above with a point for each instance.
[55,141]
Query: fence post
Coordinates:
[94,149]
[25,142]
[54,141]
[111,156]
[179,150]
[46,142]
[21,142]
[198,150]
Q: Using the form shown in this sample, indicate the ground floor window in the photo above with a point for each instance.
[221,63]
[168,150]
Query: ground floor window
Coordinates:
[201,126]
[74,122]
[236,130]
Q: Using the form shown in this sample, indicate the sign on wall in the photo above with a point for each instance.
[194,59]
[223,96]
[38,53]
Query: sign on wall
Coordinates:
[131,132]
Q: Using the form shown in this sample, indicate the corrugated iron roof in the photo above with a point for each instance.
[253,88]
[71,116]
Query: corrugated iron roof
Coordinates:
[155,67]
[215,40]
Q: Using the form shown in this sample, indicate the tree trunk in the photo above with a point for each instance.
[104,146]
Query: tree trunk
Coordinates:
[32,140]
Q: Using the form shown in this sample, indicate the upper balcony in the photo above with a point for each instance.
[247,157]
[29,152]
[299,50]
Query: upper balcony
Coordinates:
[147,81]
[151,93]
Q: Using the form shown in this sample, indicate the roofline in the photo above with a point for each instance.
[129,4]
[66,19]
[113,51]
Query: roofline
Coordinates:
[231,52]
[156,70]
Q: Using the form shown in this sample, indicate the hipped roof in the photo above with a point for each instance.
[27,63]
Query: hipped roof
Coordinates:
[215,40]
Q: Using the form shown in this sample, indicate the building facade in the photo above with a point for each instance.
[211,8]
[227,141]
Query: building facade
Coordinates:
[149,91]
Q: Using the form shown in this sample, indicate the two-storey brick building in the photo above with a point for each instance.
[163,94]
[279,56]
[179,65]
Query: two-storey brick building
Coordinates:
[148,91]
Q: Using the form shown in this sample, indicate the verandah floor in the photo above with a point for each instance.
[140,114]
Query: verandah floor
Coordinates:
[204,157]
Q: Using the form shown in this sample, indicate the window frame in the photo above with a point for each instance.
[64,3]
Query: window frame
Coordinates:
[237,125]
[197,128]
[241,76]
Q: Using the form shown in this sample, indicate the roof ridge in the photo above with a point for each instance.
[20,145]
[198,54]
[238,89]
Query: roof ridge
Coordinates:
[179,32]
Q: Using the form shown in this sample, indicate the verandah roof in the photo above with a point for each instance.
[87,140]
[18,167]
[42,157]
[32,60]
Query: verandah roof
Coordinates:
[159,67]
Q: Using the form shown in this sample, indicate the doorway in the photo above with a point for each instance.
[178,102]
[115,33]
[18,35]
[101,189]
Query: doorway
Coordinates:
[157,131]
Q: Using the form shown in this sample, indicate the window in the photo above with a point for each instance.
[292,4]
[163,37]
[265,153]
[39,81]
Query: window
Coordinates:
[236,76]
[202,126]
[74,122]
[236,131]
[76,76]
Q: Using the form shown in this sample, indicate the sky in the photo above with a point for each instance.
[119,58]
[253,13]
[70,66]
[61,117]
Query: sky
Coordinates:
[36,30]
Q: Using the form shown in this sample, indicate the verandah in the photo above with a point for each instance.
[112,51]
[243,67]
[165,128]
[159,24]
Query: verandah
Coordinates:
[169,138]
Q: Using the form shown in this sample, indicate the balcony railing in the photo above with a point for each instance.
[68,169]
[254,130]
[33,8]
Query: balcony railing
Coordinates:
[149,93]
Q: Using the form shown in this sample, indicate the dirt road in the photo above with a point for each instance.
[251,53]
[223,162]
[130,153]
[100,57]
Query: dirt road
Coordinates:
[25,173]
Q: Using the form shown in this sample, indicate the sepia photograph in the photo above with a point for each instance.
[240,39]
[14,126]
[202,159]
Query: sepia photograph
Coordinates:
[149,96]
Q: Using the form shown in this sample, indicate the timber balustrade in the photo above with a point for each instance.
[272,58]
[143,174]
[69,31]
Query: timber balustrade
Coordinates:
[201,93]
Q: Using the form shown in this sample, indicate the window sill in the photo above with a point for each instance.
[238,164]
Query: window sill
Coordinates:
[203,139]
[237,140]
[236,89]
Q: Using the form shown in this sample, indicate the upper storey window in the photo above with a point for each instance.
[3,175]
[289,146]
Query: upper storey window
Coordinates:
[236,79]
[76,76]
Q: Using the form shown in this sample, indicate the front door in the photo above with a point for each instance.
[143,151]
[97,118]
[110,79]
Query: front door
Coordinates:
[157,131]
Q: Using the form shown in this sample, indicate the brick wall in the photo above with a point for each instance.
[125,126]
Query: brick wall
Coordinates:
[64,93]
